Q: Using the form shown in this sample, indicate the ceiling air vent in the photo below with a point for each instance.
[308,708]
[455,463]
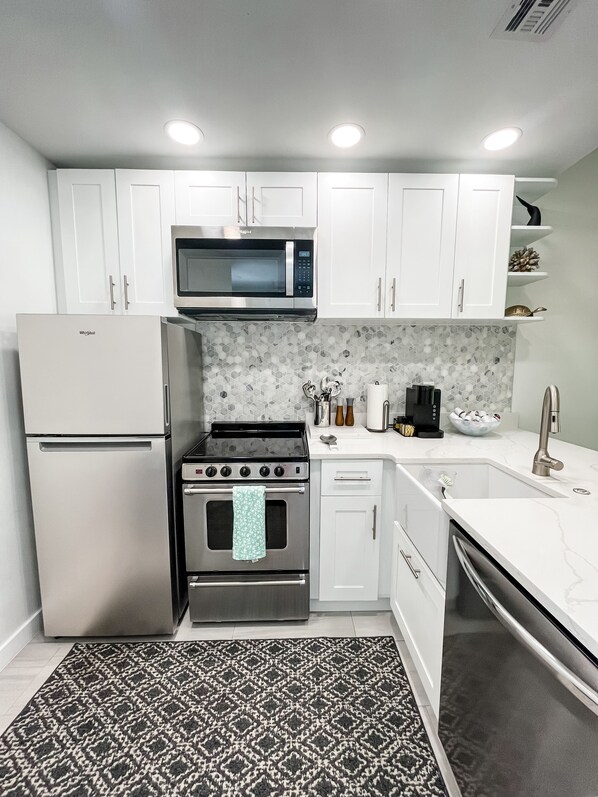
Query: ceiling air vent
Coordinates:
[533,20]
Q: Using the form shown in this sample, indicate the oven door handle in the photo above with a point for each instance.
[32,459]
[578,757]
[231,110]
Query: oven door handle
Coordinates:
[229,490]
[567,678]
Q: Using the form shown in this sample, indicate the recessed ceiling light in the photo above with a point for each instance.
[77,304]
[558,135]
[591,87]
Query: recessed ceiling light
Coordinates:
[502,138]
[183,132]
[346,135]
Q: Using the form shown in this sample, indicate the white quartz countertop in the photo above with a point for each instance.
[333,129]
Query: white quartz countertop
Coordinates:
[548,544]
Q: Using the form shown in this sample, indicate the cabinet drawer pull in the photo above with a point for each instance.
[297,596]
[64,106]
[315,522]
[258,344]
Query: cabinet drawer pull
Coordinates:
[374,526]
[352,479]
[407,559]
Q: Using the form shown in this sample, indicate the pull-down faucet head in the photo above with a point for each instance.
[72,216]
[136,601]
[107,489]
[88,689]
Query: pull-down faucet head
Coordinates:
[555,407]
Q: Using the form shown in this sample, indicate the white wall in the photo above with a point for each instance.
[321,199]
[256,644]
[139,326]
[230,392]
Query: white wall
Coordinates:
[563,349]
[26,285]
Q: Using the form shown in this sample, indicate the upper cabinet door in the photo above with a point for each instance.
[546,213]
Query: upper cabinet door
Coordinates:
[85,240]
[422,217]
[282,199]
[482,245]
[210,199]
[145,201]
[351,258]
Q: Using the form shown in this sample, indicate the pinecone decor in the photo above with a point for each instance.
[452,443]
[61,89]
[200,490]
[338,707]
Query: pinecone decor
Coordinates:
[526,259]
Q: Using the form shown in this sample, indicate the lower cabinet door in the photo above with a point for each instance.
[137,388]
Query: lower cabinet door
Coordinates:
[349,548]
[417,602]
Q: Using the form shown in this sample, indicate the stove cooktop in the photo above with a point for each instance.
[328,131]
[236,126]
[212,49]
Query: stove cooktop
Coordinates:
[249,452]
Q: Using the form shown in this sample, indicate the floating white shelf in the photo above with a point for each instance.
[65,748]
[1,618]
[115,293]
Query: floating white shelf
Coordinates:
[518,278]
[524,320]
[532,188]
[522,235]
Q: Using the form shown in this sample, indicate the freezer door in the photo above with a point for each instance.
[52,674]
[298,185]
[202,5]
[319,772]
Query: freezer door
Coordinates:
[93,374]
[101,519]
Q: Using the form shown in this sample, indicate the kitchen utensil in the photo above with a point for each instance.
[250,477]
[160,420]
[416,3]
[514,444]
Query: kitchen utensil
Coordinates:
[309,389]
[330,386]
[330,441]
[522,311]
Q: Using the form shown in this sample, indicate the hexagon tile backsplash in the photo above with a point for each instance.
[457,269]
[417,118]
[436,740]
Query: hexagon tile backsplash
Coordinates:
[254,371]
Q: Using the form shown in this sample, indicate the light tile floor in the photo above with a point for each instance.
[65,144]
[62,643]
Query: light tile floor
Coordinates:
[26,673]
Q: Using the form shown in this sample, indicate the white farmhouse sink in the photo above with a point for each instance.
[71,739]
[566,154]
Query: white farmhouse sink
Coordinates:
[475,480]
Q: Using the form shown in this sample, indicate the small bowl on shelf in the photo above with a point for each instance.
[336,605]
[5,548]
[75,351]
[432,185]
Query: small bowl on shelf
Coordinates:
[474,423]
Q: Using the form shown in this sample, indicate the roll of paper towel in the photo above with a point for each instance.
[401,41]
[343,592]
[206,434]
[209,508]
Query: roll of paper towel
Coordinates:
[377,408]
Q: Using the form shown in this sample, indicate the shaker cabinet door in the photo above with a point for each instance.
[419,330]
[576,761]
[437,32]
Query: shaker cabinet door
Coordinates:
[282,199]
[85,231]
[482,245]
[210,199]
[145,201]
[351,245]
[422,218]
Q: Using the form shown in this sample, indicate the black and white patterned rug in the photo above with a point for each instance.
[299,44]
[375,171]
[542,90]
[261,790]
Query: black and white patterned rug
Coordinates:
[326,717]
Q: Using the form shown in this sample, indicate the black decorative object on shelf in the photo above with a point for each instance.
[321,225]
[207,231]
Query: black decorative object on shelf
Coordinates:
[535,217]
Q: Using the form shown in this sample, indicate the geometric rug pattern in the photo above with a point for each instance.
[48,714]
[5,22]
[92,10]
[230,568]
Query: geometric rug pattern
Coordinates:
[321,717]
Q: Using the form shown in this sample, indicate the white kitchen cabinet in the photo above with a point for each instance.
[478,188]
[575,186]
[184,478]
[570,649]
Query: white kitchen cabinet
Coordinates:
[482,245]
[350,515]
[352,210]
[145,208]
[85,232]
[112,240]
[224,199]
[422,223]
[417,603]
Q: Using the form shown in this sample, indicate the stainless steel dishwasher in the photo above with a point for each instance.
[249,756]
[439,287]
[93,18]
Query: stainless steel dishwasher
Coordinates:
[519,696]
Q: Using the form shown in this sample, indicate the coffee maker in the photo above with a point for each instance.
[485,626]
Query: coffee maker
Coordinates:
[422,409]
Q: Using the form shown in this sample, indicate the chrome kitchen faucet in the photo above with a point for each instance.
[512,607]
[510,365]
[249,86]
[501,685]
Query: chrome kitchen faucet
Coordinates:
[543,462]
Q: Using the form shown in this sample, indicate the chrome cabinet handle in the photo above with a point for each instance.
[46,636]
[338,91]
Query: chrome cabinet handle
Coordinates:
[394,294]
[563,674]
[126,291]
[239,219]
[253,204]
[352,479]
[166,406]
[407,559]
[374,526]
[461,295]
[379,303]
[111,286]
[229,490]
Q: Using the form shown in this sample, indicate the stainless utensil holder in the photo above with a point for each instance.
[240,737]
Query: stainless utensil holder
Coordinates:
[321,412]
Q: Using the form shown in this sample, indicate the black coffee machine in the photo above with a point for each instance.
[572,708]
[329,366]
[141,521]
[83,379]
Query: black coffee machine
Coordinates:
[422,409]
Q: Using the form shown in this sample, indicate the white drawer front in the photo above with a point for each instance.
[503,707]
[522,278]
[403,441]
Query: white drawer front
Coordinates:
[352,477]
[417,602]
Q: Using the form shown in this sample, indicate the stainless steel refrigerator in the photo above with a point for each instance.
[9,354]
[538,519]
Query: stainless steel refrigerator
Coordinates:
[111,403]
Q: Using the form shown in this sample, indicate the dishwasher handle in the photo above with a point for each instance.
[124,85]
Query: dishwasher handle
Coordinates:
[564,675]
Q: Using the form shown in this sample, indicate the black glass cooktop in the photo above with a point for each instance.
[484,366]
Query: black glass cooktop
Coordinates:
[244,441]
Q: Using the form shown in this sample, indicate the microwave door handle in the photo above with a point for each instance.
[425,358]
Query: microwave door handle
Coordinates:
[290,263]
[567,678]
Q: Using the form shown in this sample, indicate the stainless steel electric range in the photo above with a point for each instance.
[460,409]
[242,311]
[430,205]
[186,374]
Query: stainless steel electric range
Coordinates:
[276,587]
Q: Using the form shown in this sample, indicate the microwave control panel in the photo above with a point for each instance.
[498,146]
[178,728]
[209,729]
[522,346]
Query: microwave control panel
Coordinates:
[304,269]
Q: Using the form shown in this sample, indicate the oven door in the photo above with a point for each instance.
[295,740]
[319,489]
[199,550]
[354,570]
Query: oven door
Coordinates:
[208,519]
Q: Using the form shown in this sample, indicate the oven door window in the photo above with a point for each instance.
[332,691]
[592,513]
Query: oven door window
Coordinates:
[219,522]
[209,267]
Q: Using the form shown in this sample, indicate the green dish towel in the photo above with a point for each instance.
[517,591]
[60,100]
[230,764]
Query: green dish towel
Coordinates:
[249,522]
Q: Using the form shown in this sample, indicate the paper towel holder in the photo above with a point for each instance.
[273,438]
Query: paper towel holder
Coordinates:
[385,415]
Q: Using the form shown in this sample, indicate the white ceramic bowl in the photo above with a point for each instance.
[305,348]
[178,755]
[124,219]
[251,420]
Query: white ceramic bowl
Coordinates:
[474,428]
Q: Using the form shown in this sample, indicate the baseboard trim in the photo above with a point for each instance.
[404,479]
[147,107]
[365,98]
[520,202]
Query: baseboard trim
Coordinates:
[381,605]
[17,641]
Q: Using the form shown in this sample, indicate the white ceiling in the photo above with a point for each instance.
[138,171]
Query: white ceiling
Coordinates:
[92,82]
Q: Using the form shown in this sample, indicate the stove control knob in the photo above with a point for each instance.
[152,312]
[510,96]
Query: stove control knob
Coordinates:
[225,471]
[211,471]
[245,471]
[279,470]
[264,471]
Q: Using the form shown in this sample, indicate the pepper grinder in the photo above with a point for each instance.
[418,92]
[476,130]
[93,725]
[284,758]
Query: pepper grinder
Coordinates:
[339,420]
[349,419]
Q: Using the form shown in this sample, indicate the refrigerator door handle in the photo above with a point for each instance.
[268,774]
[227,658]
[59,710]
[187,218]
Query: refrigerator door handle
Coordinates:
[563,674]
[166,406]
[51,446]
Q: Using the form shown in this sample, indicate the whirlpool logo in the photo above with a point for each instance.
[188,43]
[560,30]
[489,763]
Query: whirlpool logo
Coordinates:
[87,332]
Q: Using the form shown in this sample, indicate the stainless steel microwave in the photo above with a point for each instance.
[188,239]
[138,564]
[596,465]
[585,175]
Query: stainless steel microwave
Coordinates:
[245,272]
